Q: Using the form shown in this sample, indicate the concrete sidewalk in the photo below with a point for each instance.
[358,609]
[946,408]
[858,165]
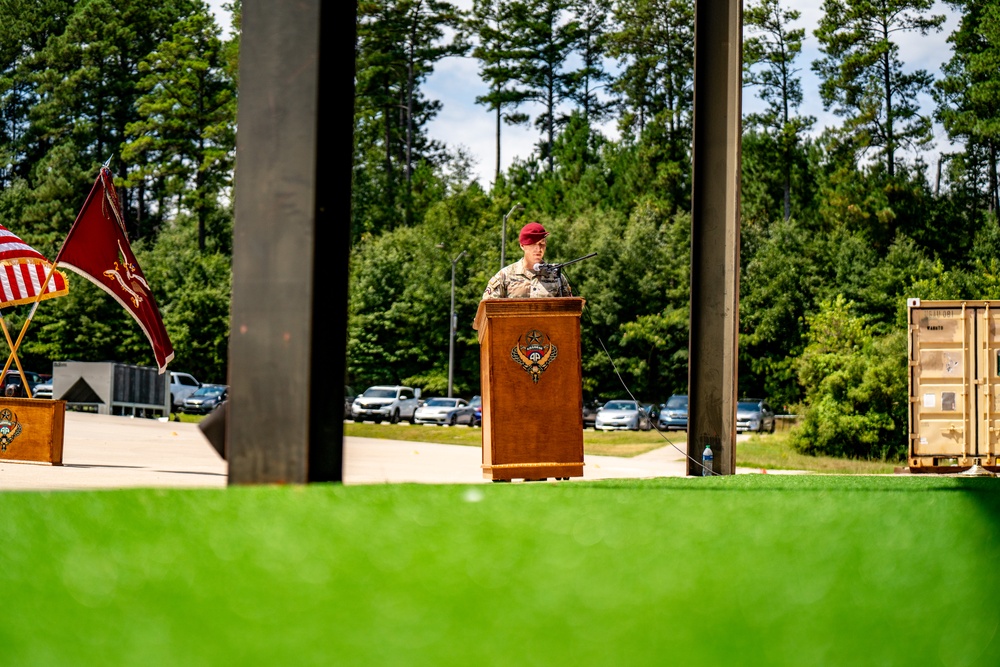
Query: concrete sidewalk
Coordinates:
[107,452]
[369,461]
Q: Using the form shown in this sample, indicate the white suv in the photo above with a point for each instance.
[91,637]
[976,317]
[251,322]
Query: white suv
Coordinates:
[386,402]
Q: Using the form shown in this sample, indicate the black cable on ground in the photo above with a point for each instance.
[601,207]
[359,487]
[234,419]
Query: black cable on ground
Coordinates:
[645,416]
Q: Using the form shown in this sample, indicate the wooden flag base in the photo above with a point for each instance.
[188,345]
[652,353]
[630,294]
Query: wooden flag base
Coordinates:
[31,430]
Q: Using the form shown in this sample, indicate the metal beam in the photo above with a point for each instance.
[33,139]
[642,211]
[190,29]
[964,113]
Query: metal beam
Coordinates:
[291,242]
[715,234]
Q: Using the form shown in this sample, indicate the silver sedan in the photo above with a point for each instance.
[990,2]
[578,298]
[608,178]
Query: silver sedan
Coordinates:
[618,415]
[450,411]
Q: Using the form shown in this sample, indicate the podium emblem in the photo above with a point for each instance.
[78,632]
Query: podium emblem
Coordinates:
[535,354]
[10,428]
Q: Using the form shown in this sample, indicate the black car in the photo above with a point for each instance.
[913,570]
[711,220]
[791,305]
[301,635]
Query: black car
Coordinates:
[590,413]
[13,386]
[204,399]
[349,397]
[649,416]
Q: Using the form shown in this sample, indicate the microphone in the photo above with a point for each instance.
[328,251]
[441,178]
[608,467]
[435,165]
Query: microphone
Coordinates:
[541,267]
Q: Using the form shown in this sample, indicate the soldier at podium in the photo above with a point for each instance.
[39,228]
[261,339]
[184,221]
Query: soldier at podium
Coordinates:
[528,277]
[529,351]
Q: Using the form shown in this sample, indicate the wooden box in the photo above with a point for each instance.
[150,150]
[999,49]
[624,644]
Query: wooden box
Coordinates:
[31,430]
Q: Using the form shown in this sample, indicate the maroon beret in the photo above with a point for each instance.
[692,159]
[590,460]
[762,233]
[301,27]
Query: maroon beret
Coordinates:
[532,233]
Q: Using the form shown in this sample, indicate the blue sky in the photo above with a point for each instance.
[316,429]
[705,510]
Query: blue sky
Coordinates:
[462,122]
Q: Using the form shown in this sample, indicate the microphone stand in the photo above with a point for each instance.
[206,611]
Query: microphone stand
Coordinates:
[558,267]
[573,261]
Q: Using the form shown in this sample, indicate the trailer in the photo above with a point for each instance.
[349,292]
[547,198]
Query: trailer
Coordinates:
[111,388]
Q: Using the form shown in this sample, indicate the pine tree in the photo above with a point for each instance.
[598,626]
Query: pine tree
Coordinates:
[490,22]
[86,87]
[654,45]
[968,95]
[25,27]
[594,19]
[862,77]
[184,141]
[769,63]
[544,43]
[399,43]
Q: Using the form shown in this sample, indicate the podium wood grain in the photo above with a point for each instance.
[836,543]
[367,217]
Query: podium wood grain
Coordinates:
[532,421]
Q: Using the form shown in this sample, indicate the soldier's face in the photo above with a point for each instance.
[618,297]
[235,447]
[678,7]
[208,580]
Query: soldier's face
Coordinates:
[534,253]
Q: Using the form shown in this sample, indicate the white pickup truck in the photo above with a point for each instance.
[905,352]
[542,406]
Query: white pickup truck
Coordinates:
[386,402]
[182,385]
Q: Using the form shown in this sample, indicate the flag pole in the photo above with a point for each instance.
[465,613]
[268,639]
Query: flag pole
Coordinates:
[48,276]
[24,380]
[15,346]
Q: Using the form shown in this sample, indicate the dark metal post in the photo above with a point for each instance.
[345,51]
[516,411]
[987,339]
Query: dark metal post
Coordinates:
[503,234]
[291,242]
[715,234]
[452,317]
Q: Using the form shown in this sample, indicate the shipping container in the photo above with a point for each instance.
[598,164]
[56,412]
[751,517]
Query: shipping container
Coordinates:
[954,384]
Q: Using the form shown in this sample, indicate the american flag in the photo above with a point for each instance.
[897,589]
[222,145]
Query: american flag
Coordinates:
[22,273]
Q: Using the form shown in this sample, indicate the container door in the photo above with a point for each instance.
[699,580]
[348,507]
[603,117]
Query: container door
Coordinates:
[942,384]
[989,404]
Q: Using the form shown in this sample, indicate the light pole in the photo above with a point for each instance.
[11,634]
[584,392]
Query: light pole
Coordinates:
[452,321]
[503,234]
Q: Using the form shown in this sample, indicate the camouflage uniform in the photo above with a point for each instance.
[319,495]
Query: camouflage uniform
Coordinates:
[516,281]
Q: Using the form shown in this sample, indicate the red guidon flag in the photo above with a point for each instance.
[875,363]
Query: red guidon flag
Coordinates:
[22,273]
[97,248]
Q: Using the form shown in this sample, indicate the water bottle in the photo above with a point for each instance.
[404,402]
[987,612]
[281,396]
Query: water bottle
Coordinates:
[706,460]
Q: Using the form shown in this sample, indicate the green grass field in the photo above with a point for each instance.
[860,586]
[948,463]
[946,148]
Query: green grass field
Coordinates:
[746,569]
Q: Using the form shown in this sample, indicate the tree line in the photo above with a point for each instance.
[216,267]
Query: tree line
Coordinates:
[148,86]
[838,227]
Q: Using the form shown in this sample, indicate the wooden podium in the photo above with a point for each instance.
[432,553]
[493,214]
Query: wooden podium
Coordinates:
[532,388]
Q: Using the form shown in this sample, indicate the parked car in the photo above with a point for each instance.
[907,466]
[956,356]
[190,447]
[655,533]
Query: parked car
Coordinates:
[450,411]
[590,413]
[477,407]
[43,389]
[182,385]
[386,402]
[649,416]
[348,400]
[204,399]
[754,414]
[674,413]
[618,415]
[12,385]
